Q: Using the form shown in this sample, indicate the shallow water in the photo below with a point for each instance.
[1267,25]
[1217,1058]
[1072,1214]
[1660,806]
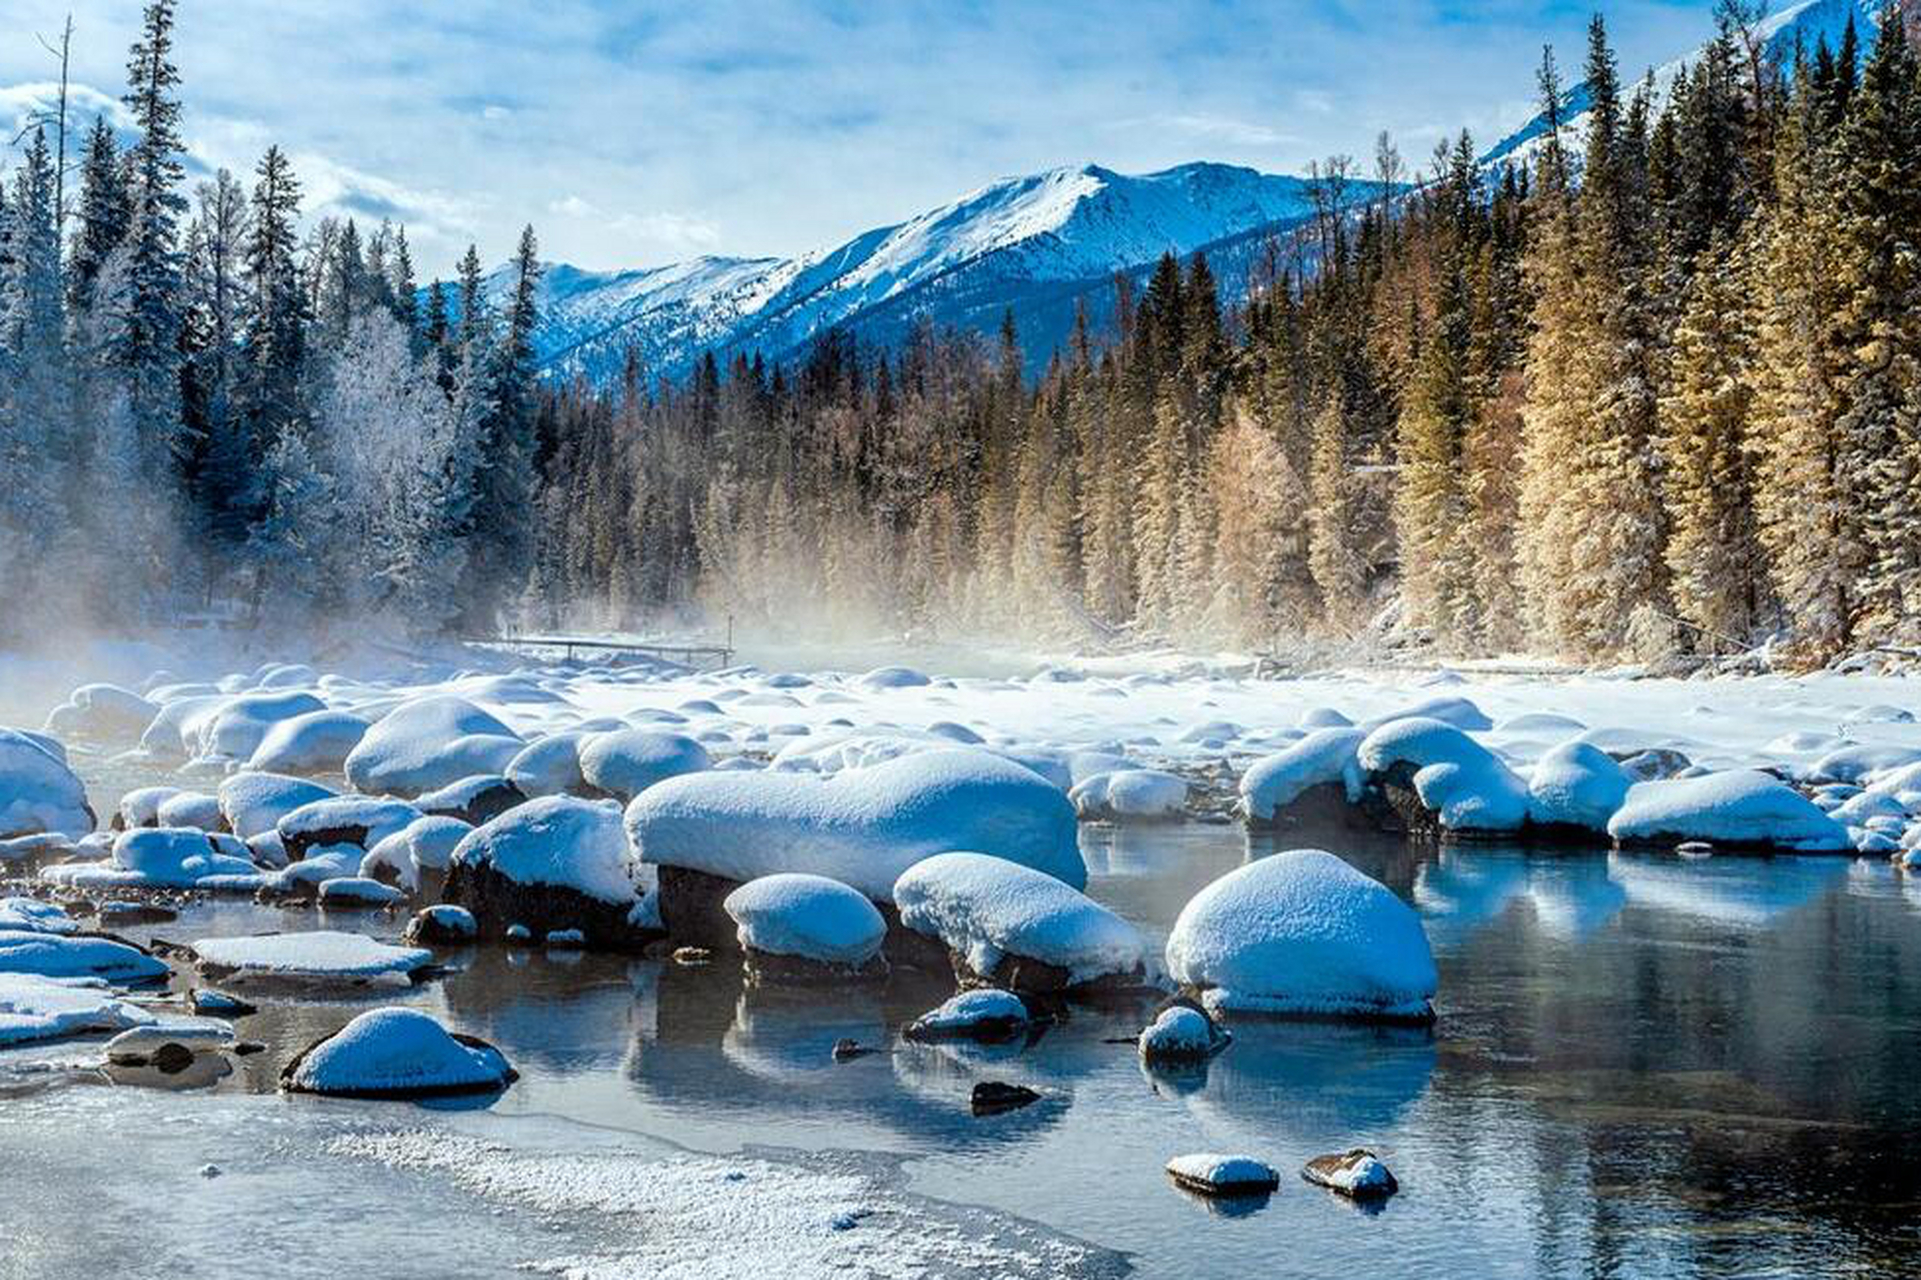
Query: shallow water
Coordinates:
[1642,1067]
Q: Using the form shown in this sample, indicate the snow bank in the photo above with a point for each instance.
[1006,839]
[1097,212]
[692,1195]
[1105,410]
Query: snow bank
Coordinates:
[1578,785]
[625,763]
[254,803]
[1463,784]
[397,1053]
[38,792]
[33,1007]
[809,916]
[862,827]
[427,743]
[141,806]
[30,915]
[1741,807]
[194,809]
[61,955]
[235,728]
[556,840]
[315,742]
[319,956]
[988,910]
[1324,757]
[1138,794]
[1303,934]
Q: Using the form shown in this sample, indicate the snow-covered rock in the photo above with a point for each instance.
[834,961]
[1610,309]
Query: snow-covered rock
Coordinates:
[156,857]
[358,891]
[363,821]
[38,792]
[1357,1173]
[34,1007]
[102,713]
[1210,1173]
[1741,808]
[141,806]
[893,678]
[253,803]
[558,862]
[627,762]
[424,846]
[442,925]
[1303,934]
[1130,795]
[1181,1034]
[196,1034]
[1576,786]
[310,743]
[76,955]
[1458,785]
[30,915]
[427,743]
[397,1053]
[987,1014]
[472,800]
[319,956]
[1325,758]
[194,809]
[808,918]
[235,729]
[862,827]
[1017,927]
[549,766]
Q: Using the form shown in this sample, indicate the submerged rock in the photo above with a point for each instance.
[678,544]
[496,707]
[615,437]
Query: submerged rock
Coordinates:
[993,1097]
[320,956]
[395,1054]
[443,925]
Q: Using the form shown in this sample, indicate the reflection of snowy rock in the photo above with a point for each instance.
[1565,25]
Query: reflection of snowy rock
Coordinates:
[1017,927]
[1573,897]
[397,1053]
[552,864]
[798,926]
[1303,934]
[1743,892]
[1740,809]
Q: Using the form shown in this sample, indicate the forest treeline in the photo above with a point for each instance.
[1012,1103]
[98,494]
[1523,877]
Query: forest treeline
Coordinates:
[1654,390]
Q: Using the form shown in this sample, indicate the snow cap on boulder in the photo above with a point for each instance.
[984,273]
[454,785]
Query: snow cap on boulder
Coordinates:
[397,1053]
[38,792]
[1461,783]
[625,763]
[313,742]
[427,743]
[1130,794]
[556,840]
[1303,934]
[809,917]
[1576,785]
[1325,756]
[1741,808]
[254,802]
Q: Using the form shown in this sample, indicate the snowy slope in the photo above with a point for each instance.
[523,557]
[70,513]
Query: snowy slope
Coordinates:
[1809,22]
[1016,241]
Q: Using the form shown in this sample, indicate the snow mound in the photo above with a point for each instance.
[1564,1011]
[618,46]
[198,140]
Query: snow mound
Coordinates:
[102,713]
[988,909]
[358,891]
[809,916]
[38,792]
[1323,757]
[862,827]
[1741,807]
[254,803]
[1577,784]
[556,840]
[183,1029]
[1853,763]
[33,1007]
[141,806]
[1303,934]
[235,728]
[625,763]
[1130,794]
[60,955]
[1211,1173]
[357,820]
[549,766]
[194,809]
[397,1053]
[1180,1034]
[1354,1173]
[30,915]
[893,678]
[322,955]
[425,844]
[984,1014]
[169,857]
[1458,712]
[314,742]
[427,743]
[1463,784]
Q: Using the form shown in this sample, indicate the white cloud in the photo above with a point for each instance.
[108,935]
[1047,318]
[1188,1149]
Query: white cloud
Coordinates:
[671,230]
[1240,133]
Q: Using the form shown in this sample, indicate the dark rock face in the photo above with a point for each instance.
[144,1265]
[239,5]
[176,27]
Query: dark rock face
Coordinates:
[297,844]
[432,929]
[1026,976]
[473,800]
[992,1097]
[498,902]
[767,969]
[1321,806]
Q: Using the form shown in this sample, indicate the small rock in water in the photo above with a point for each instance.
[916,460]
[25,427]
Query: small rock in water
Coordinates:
[519,935]
[992,1097]
[1694,849]
[1181,1034]
[1210,1174]
[205,1000]
[566,940]
[246,1048]
[846,1050]
[1354,1173]
[985,1014]
[849,1220]
[692,956]
[122,914]
[210,1171]
[172,1058]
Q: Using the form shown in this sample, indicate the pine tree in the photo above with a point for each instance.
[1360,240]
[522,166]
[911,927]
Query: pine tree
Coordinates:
[148,345]
[105,213]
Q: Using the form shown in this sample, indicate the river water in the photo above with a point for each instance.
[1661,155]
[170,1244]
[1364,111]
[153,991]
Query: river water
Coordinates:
[1641,1067]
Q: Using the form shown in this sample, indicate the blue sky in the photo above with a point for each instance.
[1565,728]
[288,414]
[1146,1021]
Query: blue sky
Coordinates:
[638,133]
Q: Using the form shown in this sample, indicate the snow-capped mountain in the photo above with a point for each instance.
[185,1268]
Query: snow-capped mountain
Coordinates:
[1035,243]
[1807,23]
